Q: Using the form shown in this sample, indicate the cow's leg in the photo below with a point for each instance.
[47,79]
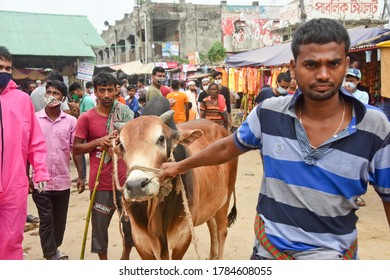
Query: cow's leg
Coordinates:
[221,222]
[214,245]
[180,249]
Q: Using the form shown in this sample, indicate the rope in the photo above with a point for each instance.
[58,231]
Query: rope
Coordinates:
[165,189]
[115,183]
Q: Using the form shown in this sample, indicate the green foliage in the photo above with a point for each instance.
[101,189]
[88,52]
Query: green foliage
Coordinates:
[179,59]
[203,58]
[217,52]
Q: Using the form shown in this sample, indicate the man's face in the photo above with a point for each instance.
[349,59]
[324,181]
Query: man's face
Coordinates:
[131,92]
[192,88]
[352,79]
[54,96]
[118,89]
[320,69]
[5,66]
[78,92]
[139,84]
[283,84]
[218,79]
[31,87]
[159,78]
[106,95]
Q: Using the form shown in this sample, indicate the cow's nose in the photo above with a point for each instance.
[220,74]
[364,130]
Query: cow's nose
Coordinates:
[138,183]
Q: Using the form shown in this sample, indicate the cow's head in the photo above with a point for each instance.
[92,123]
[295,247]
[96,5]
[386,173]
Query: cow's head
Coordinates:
[147,142]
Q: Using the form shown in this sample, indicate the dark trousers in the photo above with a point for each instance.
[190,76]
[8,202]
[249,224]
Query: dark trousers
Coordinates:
[52,210]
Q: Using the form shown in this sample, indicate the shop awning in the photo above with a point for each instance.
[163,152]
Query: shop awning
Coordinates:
[134,68]
[279,55]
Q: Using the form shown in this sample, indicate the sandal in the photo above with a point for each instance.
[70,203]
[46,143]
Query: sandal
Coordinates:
[58,256]
[360,202]
[32,219]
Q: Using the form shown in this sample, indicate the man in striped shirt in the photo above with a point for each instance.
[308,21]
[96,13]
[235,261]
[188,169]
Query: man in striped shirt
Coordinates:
[321,147]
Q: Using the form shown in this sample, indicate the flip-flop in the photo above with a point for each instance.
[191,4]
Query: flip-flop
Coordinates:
[32,219]
[58,256]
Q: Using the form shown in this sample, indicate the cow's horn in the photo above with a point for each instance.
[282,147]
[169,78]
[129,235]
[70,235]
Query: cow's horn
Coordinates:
[167,116]
[119,125]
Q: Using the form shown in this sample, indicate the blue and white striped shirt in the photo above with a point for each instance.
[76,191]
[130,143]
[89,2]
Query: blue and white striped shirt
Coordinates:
[308,196]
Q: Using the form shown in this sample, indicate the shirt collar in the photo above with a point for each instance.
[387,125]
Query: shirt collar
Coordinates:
[358,106]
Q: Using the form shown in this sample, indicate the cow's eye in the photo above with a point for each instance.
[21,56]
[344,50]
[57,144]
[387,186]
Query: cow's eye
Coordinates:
[161,139]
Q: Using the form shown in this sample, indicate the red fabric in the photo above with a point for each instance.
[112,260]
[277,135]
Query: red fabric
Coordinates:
[91,126]
[165,90]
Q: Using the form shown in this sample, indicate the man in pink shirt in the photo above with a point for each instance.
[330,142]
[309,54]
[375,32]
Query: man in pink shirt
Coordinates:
[58,129]
[21,141]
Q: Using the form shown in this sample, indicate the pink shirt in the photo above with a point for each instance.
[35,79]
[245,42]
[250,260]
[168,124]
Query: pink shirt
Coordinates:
[59,136]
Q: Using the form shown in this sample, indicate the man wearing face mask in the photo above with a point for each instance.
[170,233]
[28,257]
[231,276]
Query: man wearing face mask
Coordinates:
[21,141]
[58,129]
[222,90]
[282,85]
[352,80]
[158,79]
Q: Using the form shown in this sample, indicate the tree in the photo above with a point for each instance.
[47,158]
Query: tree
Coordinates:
[217,52]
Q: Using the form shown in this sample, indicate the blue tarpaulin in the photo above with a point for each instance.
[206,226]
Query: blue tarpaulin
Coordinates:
[281,54]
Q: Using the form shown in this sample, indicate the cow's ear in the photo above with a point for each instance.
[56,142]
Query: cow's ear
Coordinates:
[187,137]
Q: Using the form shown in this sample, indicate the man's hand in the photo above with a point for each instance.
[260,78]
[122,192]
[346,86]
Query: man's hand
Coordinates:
[80,185]
[104,143]
[168,170]
[41,186]
[30,185]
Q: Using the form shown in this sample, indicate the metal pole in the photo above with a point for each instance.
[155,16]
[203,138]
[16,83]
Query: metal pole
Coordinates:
[146,39]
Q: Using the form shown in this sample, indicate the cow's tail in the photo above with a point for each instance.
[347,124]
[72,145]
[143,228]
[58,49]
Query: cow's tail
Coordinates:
[233,212]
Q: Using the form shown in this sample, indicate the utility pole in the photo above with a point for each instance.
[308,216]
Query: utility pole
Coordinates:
[303,15]
[386,7]
[137,2]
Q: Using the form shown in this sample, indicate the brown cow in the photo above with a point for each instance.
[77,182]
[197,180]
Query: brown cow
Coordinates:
[159,225]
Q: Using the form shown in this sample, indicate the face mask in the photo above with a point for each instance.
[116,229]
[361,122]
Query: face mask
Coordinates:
[282,91]
[4,79]
[350,85]
[91,91]
[51,101]
[205,88]
[218,82]
[160,81]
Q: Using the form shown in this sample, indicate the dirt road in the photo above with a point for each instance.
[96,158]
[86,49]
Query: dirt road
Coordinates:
[374,234]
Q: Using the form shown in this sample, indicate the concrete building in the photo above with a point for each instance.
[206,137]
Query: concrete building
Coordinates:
[156,32]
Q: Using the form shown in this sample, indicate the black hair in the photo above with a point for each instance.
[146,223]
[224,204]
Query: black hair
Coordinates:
[189,104]
[124,81]
[213,84]
[140,80]
[55,76]
[175,84]
[216,73]
[74,86]
[284,77]
[130,87]
[5,54]
[158,69]
[61,86]
[320,31]
[104,79]
[89,84]
[182,84]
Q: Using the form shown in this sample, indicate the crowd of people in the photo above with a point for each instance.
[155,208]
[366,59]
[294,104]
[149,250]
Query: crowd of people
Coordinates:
[315,118]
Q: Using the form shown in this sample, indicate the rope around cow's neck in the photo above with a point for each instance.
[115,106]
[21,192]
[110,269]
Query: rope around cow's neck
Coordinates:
[165,185]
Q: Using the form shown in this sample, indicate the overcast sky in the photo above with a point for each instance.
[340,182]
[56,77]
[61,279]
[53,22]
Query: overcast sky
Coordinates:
[99,11]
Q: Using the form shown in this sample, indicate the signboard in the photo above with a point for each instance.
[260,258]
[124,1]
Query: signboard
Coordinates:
[85,71]
[193,58]
[334,9]
[170,49]
[246,28]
